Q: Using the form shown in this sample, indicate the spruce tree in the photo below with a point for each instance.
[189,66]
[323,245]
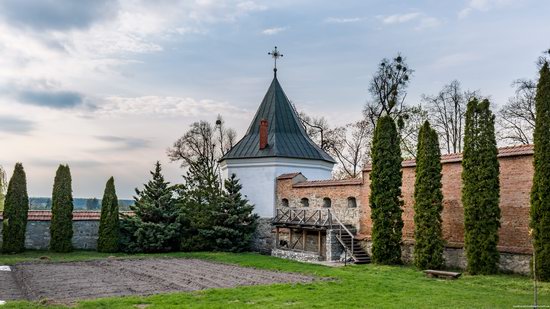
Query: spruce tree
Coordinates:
[200,196]
[480,189]
[385,186]
[15,212]
[234,220]
[108,225]
[540,192]
[154,227]
[61,228]
[428,201]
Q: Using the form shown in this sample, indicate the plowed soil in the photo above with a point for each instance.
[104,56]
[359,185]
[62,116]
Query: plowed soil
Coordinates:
[68,282]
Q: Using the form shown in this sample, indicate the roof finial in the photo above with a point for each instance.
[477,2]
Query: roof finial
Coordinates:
[275,54]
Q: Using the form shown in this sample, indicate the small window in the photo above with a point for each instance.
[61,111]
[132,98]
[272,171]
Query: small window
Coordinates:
[284,202]
[352,202]
[305,202]
[327,202]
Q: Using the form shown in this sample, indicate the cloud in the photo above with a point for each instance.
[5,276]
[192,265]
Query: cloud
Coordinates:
[428,22]
[125,143]
[159,106]
[273,31]
[339,20]
[53,99]
[484,5]
[400,18]
[456,59]
[56,14]
[15,125]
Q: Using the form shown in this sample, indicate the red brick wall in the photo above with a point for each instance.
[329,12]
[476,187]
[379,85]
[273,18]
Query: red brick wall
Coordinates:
[516,172]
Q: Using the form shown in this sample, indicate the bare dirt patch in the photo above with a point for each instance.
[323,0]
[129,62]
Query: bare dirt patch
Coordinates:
[68,282]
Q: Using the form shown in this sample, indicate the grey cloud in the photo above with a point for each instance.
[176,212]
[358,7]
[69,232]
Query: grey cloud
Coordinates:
[125,143]
[53,99]
[15,125]
[56,14]
[71,163]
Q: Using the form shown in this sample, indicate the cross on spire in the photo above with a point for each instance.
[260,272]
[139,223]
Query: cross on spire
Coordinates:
[275,54]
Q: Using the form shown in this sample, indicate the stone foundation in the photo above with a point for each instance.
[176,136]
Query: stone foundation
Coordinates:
[334,248]
[262,240]
[456,258]
[301,256]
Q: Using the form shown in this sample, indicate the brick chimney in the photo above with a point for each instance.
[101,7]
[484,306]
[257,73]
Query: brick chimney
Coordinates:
[263,134]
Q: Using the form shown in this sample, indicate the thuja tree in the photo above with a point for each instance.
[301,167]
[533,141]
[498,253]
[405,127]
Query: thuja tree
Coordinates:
[540,193]
[61,229]
[15,212]
[385,195]
[154,227]
[234,220]
[108,224]
[200,196]
[428,198]
[480,189]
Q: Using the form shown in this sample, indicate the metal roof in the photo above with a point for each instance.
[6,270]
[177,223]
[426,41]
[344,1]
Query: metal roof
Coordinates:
[286,135]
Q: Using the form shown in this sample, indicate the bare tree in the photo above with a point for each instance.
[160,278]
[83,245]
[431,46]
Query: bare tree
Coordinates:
[318,129]
[517,117]
[446,114]
[412,119]
[203,141]
[351,150]
[388,90]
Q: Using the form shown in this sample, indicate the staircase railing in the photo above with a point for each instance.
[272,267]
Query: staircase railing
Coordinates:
[342,229]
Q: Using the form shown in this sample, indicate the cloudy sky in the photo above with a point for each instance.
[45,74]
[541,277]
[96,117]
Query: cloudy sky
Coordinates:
[107,86]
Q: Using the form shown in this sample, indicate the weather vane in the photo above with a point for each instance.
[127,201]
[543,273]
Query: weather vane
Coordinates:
[275,54]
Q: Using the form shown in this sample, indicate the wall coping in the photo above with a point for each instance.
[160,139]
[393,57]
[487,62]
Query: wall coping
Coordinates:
[46,215]
[510,151]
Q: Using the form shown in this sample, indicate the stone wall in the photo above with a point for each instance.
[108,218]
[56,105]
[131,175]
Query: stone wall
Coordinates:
[302,256]
[262,240]
[37,236]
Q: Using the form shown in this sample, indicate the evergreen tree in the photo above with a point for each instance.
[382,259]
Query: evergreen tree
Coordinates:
[234,220]
[428,201]
[480,189]
[200,196]
[61,228]
[385,195]
[3,187]
[540,192]
[154,226]
[15,212]
[108,225]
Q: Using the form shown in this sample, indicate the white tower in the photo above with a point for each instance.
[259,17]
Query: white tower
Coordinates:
[275,143]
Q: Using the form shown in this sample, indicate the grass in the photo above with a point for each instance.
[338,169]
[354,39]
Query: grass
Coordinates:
[355,286]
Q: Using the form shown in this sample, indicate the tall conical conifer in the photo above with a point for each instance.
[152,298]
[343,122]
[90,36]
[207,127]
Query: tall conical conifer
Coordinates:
[480,189]
[15,212]
[61,228]
[108,225]
[540,193]
[428,201]
[385,198]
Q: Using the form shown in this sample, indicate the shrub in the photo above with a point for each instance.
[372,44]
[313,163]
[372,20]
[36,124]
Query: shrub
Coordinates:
[480,189]
[61,229]
[428,201]
[108,225]
[540,193]
[15,212]
[385,195]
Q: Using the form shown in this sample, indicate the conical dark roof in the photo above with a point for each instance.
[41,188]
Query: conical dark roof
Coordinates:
[286,135]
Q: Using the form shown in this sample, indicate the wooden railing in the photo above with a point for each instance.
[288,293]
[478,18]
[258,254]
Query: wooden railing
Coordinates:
[303,216]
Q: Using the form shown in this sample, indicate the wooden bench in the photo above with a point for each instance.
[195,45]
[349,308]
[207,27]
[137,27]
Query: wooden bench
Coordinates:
[442,274]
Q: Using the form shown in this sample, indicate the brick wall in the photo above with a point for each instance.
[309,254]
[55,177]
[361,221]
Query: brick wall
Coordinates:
[516,172]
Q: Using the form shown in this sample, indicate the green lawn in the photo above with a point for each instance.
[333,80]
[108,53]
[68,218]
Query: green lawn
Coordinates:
[355,286]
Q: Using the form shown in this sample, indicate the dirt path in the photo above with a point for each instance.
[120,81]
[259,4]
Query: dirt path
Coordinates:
[67,282]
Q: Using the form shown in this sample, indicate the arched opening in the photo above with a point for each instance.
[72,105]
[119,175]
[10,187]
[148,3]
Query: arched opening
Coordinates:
[284,202]
[352,202]
[305,202]
[327,202]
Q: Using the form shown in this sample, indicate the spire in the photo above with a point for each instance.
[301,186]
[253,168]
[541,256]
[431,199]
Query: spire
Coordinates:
[275,54]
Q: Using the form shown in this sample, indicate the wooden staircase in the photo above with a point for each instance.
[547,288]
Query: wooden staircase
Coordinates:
[346,236]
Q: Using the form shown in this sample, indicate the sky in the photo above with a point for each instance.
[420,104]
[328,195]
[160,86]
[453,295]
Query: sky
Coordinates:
[108,86]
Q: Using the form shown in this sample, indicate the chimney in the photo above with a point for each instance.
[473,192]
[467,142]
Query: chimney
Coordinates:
[263,134]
